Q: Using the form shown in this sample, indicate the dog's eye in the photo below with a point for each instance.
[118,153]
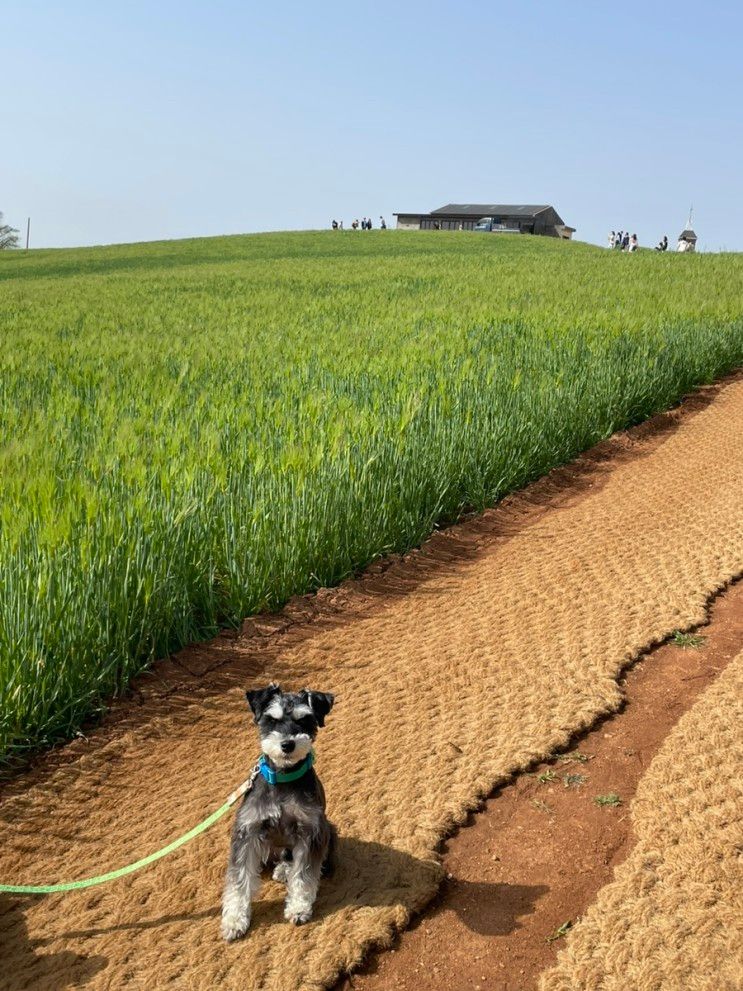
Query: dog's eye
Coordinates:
[307,723]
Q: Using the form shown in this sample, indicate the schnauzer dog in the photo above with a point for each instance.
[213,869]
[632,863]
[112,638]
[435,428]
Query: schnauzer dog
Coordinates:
[282,819]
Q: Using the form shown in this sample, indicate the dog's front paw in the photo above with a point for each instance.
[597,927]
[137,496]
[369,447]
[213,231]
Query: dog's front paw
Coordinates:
[234,925]
[297,910]
[298,916]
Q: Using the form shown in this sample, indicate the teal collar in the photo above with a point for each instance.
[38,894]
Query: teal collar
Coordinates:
[281,777]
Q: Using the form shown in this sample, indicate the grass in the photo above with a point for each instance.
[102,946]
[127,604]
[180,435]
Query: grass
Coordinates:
[687,640]
[194,431]
[559,932]
[574,780]
[574,758]
[612,800]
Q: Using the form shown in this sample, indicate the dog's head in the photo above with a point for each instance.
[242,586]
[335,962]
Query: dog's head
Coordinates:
[288,721]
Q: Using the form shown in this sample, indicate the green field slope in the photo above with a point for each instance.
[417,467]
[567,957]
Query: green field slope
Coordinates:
[192,431]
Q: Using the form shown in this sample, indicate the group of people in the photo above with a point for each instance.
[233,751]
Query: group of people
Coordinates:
[365,224]
[623,241]
[628,242]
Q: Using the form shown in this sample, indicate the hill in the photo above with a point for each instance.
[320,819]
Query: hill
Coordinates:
[194,431]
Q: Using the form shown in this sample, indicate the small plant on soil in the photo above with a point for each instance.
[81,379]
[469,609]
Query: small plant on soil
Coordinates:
[559,932]
[574,780]
[546,776]
[575,758]
[687,640]
[611,800]
[542,806]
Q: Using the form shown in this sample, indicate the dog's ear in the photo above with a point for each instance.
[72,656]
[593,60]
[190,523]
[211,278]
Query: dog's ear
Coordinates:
[321,703]
[259,698]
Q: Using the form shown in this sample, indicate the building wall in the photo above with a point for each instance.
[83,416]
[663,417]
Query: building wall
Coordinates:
[408,222]
[446,224]
[449,223]
[548,223]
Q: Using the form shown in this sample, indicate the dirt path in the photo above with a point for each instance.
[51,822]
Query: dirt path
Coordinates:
[454,668]
[538,852]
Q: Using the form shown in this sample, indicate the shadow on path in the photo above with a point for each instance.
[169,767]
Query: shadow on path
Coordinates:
[24,968]
[491,908]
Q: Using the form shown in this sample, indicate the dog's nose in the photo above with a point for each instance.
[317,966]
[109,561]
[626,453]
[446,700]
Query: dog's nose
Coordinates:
[287,746]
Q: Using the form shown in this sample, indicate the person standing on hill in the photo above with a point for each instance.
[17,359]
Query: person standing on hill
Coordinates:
[625,241]
[633,243]
[611,240]
[382,224]
[368,223]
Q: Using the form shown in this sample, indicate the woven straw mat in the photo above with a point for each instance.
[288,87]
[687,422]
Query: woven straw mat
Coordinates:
[453,668]
[672,920]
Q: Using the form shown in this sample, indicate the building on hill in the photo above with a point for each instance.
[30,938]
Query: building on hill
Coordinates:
[687,238]
[521,218]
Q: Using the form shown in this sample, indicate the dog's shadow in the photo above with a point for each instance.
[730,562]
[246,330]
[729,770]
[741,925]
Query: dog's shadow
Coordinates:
[371,875]
[490,908]
[24,967]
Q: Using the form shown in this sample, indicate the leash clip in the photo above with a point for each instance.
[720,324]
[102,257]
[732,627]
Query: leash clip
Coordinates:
[245,787]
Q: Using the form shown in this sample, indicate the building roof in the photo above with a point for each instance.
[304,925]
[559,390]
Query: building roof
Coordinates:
[489,210]
[687,235]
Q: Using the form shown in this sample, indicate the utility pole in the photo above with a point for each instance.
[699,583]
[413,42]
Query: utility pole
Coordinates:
[28,232]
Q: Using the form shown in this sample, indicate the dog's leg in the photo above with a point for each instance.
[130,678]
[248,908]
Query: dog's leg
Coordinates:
[303,880]
[281,870]
[243,880]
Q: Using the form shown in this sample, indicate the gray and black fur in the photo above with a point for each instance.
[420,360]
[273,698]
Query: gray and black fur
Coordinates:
[285,823]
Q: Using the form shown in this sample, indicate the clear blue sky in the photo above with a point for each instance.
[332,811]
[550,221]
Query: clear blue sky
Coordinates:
[135,121]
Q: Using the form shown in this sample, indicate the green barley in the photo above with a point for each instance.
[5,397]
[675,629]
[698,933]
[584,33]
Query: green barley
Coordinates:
[194,431]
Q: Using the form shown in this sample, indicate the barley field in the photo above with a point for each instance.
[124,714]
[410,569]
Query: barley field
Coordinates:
[194,431]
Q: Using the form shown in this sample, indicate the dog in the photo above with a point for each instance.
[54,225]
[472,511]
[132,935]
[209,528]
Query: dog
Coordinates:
[282,818]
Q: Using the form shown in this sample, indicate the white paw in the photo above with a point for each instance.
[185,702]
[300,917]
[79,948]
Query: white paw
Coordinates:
[281,871]
[297,916]
[234,926]
[298,910]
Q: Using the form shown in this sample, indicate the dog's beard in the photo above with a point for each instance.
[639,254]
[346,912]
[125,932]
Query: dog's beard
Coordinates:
[271,746]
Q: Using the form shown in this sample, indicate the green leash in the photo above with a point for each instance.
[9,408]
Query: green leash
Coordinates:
[46,889]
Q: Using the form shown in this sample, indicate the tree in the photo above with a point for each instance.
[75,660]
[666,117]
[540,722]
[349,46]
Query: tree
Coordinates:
[8,235]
